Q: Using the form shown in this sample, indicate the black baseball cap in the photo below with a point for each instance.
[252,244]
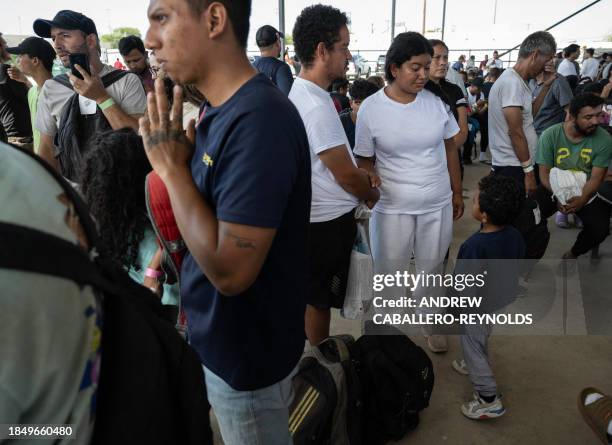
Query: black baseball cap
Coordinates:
[65,19]
[35,47]
[267,35]
[477,82]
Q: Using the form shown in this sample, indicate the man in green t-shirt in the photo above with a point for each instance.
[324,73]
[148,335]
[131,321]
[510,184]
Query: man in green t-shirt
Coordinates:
[36,57]
[578,144]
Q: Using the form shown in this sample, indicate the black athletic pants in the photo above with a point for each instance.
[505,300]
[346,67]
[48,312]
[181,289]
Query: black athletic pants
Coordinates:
[595,218]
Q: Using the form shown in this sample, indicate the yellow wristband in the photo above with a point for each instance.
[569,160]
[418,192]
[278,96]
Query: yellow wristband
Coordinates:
[107,104]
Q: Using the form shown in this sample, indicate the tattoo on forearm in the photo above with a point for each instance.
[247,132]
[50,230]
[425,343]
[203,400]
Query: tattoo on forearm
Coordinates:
[159,137]
[242,243]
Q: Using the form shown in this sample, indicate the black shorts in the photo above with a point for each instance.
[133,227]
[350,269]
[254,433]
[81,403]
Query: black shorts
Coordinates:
[331,244]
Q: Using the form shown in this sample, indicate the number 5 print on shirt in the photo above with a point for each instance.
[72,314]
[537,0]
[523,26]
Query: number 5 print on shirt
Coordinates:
[585,154]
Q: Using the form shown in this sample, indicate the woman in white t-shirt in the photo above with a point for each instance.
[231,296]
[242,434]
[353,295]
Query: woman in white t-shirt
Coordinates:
[404,134]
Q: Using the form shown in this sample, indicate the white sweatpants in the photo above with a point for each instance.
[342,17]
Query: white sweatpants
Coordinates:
[399,237]
[396,238]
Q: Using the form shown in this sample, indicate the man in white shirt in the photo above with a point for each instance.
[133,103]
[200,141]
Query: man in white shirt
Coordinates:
[590,65]
[495,62]
[321,40]
[121,104]
[512,136]
[567,66]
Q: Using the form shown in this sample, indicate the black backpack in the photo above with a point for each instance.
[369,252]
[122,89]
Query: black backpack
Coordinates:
[367,391]
[397,380]
[327,404]
[76,131]
[151,387]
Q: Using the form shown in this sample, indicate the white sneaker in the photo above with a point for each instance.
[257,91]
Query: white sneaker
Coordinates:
[460,367]
[478,409]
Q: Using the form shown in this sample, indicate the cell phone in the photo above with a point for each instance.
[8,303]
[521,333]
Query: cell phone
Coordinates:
[80,59]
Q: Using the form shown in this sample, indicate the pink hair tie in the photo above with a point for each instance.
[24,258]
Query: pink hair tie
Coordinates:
[152,273]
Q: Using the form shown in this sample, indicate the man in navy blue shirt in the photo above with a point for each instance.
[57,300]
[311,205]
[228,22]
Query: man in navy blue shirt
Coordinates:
[241,199]
[268,41]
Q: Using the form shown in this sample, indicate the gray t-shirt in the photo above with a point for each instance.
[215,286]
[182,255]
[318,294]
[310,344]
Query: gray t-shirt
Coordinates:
[127,92]
[510,90]
[552,110]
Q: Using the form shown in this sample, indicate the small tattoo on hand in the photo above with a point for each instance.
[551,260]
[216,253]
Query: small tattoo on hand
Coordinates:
[160,137]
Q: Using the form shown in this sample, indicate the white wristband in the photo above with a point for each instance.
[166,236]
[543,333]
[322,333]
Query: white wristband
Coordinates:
[528,169]
[527,163]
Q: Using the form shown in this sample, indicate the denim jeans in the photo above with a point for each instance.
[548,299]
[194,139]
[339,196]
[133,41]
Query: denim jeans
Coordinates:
[259,417]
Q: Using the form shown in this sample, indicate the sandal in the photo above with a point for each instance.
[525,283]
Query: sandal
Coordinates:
[597,414]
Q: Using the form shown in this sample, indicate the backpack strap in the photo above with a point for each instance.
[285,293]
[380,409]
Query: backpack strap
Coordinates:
[107,79]
[343,352]
[63,79]
[275,73]
[32,250]
[112,77]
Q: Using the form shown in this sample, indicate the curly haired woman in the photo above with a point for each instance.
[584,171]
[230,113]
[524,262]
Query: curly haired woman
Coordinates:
[113,183]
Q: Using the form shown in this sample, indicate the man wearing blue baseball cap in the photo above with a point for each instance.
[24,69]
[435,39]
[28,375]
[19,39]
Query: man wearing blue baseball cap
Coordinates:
[120,103]
[268,40]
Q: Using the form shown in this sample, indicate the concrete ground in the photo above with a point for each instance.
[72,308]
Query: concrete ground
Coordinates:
[539,376]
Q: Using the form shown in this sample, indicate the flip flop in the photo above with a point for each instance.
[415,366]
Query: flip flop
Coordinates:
[597,414]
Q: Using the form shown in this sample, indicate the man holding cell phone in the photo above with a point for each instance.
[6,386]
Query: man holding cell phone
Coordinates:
[76,43]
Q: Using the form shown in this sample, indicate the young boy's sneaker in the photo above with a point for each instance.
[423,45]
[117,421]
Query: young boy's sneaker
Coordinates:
[478,409]
[460,367]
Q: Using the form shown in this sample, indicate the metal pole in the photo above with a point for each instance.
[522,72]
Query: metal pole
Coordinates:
[424,15]
[392,20]
[557,24]
[495,12]
[443,19]
[281,24]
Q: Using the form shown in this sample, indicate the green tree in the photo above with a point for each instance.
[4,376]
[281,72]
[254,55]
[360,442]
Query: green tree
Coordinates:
[113,38]
[288,39]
